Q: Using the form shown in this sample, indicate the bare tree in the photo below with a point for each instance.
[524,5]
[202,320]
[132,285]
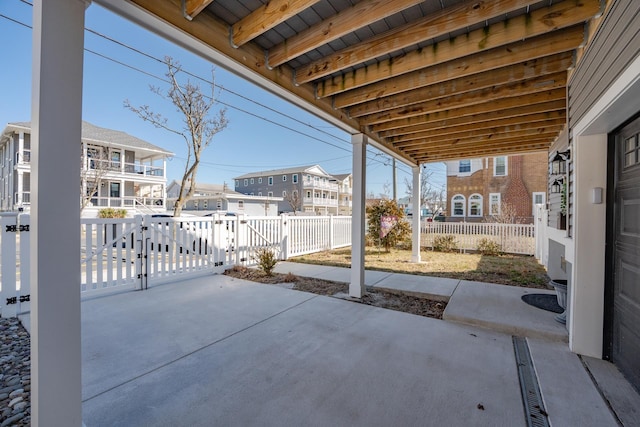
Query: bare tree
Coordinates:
[294,200]
[95,167]
[426,189]
[199,125]
[508,214]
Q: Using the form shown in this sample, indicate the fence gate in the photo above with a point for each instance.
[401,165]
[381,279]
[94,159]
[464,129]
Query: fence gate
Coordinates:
[15,294]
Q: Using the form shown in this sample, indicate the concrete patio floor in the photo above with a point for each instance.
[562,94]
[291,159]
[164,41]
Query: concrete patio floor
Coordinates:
[221,351]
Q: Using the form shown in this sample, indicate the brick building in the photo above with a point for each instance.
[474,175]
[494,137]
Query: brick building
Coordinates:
[480,189]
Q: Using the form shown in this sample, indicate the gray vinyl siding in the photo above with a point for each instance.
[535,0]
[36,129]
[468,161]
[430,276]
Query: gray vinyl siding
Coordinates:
[613,48]
[277,188]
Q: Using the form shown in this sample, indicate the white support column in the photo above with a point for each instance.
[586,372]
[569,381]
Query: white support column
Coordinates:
[415,221]
[356,287]
[56,114]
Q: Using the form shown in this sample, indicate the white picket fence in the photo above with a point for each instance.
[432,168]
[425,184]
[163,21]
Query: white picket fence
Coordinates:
[512,238]
[135,253]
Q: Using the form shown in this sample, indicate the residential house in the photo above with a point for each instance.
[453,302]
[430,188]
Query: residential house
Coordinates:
[117,170]
[306,189]
[345,190]
[212,198]
[480,189]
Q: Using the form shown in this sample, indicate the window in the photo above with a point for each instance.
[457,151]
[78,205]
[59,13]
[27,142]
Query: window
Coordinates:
[205,204]
[294,178]
[270,180]
[294,194]
[237,183]
[251,181]
[458,205]
[308,194]
[115,159]
[284,193]
[284,178]
[251,194]
[260,193]
[494,204]
[218,204]
[260,180]
[195,204]
[240,204]
[500,166]
[308,178]
[114,189]
[464,166]
[270,194]
[631,151]
[538,199]
[475,205]
[246,182]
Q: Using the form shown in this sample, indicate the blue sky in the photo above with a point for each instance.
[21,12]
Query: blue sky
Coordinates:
[257,138]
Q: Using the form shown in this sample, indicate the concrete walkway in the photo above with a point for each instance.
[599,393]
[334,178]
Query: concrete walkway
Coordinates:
[221,351]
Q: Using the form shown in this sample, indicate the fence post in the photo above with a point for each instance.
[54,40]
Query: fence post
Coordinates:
[331,230]
[284,237]
[241,240]
[24,221]
[8,250]
[141,253]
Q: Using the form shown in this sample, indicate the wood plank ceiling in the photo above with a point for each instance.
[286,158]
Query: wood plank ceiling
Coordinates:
[430,80]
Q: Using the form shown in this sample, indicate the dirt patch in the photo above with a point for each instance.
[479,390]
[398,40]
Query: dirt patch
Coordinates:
[404,303]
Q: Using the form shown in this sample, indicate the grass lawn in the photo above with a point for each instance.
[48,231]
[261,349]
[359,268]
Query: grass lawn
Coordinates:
[514,270]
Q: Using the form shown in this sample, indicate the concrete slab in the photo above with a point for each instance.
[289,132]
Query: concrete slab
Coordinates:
[290,359]
[436,288]
[619,393]
[128,335]
[501,308]
[569,395]
[306,270]
[336,274]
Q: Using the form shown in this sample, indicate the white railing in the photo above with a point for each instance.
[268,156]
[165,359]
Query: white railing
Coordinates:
[321,185]
[319,201]
[125,202]
[123,167]
[512,238]
[135,253]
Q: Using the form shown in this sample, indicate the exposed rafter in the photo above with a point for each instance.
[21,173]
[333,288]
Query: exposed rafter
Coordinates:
[538,22]
[359,15]
[266,17]
[446,21]
[191,8]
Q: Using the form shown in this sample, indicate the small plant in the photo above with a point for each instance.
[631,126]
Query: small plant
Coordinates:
[489,247]
[112,213]
[266,259]
[290,278]
[445,243]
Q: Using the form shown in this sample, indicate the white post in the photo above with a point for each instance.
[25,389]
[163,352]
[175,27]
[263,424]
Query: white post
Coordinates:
[415,221]
[356,287]
[331,225]
[56,114]
[284,237]
[8,250]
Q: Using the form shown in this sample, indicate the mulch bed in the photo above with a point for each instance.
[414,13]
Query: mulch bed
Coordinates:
[377,298]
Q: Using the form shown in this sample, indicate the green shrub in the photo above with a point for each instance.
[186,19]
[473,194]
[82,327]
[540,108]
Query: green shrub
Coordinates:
[400,231]
[112,213]
[445,243]
[489,247]
[266,259]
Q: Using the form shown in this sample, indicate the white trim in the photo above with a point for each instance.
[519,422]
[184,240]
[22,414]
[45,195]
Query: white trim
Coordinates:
[533,200]
[506,165]
[476,198]
[499,204]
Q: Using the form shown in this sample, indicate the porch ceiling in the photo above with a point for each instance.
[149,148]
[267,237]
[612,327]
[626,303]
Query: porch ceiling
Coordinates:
[427,80]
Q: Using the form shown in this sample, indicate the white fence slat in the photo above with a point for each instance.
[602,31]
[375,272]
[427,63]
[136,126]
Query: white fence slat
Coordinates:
[8,273]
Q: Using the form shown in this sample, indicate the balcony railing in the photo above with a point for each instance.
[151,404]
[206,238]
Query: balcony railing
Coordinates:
[124,167]
[321,185]
[125,202]
[319,201]
[23,197]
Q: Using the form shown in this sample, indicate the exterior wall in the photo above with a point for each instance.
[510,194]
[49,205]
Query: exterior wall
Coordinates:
[526,174]
[604,92]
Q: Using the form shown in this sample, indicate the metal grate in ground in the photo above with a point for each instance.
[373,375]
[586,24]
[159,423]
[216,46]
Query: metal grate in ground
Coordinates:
[535,414]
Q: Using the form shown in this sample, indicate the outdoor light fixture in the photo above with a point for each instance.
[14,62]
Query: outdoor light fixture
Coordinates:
[559,162]
[556,187]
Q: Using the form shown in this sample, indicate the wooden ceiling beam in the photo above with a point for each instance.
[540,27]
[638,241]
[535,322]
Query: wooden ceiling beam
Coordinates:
[469,115]
[344,22]
[463,124]
[516,90]
[266,17]
[461,145]
[524,129]
[443,22]
[191,8]
[533,146]
[540,21]
[515,53]
[487,79]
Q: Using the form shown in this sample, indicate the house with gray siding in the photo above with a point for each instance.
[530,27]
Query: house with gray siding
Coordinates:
[306,189]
